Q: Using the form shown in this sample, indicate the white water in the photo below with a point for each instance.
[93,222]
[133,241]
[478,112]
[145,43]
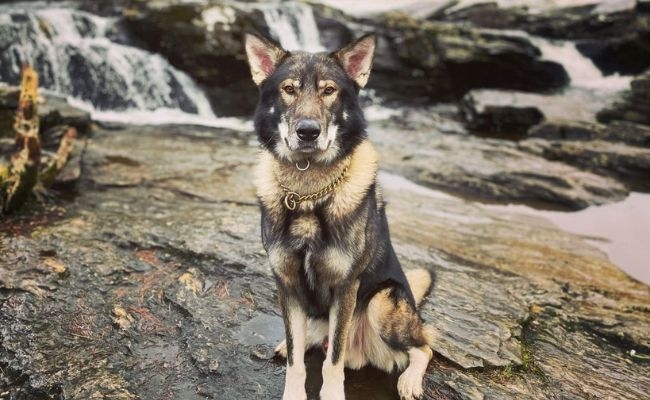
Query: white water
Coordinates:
[293,25]
[581,70]
[76,58]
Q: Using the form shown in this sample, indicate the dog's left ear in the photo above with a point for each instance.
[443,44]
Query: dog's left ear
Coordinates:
[356,58]
[263,57]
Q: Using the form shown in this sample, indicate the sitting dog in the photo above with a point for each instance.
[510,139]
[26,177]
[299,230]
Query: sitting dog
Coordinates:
[324,225]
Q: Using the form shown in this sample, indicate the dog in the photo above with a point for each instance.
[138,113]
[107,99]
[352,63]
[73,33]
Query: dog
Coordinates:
[324,226]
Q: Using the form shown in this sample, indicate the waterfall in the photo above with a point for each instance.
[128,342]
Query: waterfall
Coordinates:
[75,57]
[293,25]
[581,70]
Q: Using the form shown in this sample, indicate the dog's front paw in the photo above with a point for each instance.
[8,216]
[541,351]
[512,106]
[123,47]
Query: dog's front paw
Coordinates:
[332,392]
[281,349]
[294,394]
[294,385]
[409,385]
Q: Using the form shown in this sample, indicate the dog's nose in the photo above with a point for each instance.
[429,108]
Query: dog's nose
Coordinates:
[308,129]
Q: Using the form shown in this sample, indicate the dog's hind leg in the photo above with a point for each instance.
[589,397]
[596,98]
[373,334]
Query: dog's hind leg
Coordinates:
[396,320]
[409,384]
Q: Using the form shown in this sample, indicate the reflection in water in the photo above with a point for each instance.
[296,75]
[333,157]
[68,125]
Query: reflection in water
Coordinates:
[621,229]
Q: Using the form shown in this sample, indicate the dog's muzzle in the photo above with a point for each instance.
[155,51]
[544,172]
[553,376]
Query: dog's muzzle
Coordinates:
[308,130]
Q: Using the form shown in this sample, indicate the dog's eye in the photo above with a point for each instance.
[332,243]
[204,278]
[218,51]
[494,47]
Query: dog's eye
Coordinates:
[329,90]
[289,89]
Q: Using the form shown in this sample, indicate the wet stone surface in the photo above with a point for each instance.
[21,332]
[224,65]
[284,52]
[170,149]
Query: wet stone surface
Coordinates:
[152,283]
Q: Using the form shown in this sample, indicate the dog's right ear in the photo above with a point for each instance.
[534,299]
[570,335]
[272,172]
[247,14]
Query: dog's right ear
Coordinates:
[263,57]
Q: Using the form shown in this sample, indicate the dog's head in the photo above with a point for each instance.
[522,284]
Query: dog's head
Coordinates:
[308,106]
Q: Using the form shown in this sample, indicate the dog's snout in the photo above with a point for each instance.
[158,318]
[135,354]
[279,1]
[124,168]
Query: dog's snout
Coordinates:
[308,129]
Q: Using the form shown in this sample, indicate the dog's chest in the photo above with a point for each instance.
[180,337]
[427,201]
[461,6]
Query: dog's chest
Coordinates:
[325,259]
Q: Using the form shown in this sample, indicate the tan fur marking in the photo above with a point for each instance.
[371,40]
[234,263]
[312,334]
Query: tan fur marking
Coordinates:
[361,175]
[420,282]
[305,227]
[395,320]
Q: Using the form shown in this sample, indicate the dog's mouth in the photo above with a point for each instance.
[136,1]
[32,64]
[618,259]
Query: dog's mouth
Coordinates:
[306,147]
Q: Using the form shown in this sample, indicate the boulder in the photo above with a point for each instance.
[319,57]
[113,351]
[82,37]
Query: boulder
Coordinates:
[629,164]
[635,107]
[614,35]
[430,61]
[207,43]
[491,170]
[54,112]
[494,113]
[415,60]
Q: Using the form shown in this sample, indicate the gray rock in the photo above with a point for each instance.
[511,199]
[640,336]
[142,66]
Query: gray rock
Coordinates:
[415,60]
[512,290]
[613,34]
[635,107]
[626,163]
[442,61]
[495,113]
[52,110]
[617,131]
[491,169]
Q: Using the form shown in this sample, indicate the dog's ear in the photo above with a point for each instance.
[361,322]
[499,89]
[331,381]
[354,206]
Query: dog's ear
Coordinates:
[263,57]
[356,58]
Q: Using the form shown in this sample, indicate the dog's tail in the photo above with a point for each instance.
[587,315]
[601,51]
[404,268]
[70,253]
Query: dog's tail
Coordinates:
[421,281]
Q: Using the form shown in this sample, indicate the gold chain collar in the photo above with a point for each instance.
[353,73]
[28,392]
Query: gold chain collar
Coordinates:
[292,199]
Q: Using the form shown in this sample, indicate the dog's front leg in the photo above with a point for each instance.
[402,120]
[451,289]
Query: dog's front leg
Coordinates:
[340,319]
[295,326]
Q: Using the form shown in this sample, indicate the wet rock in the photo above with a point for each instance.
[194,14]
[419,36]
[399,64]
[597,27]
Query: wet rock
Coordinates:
[617,131]
[635,107]
[614,35]
[53,111]
[512,289]
[492,112]
[207,43]
[415,60]
[438,61]
[627,163]
[491,169]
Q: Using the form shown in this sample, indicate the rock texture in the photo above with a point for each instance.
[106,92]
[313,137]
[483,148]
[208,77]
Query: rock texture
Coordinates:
[207,43]
[416,61]
[635,106]
[496,113]
[615,35]
[621,150]
[491,169]
[152,283]
[442,61]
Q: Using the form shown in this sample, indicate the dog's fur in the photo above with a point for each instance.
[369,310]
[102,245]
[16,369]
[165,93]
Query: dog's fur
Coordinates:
[340,283]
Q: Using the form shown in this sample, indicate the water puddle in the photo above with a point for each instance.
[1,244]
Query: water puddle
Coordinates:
[621,230]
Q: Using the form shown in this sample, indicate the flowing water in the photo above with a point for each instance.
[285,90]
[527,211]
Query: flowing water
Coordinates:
[75,56]
[293,25]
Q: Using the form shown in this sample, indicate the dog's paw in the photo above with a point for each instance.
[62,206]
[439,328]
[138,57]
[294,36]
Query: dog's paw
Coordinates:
[294,394]
[281,349]
[332,392]
[409,385]
[294,384]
